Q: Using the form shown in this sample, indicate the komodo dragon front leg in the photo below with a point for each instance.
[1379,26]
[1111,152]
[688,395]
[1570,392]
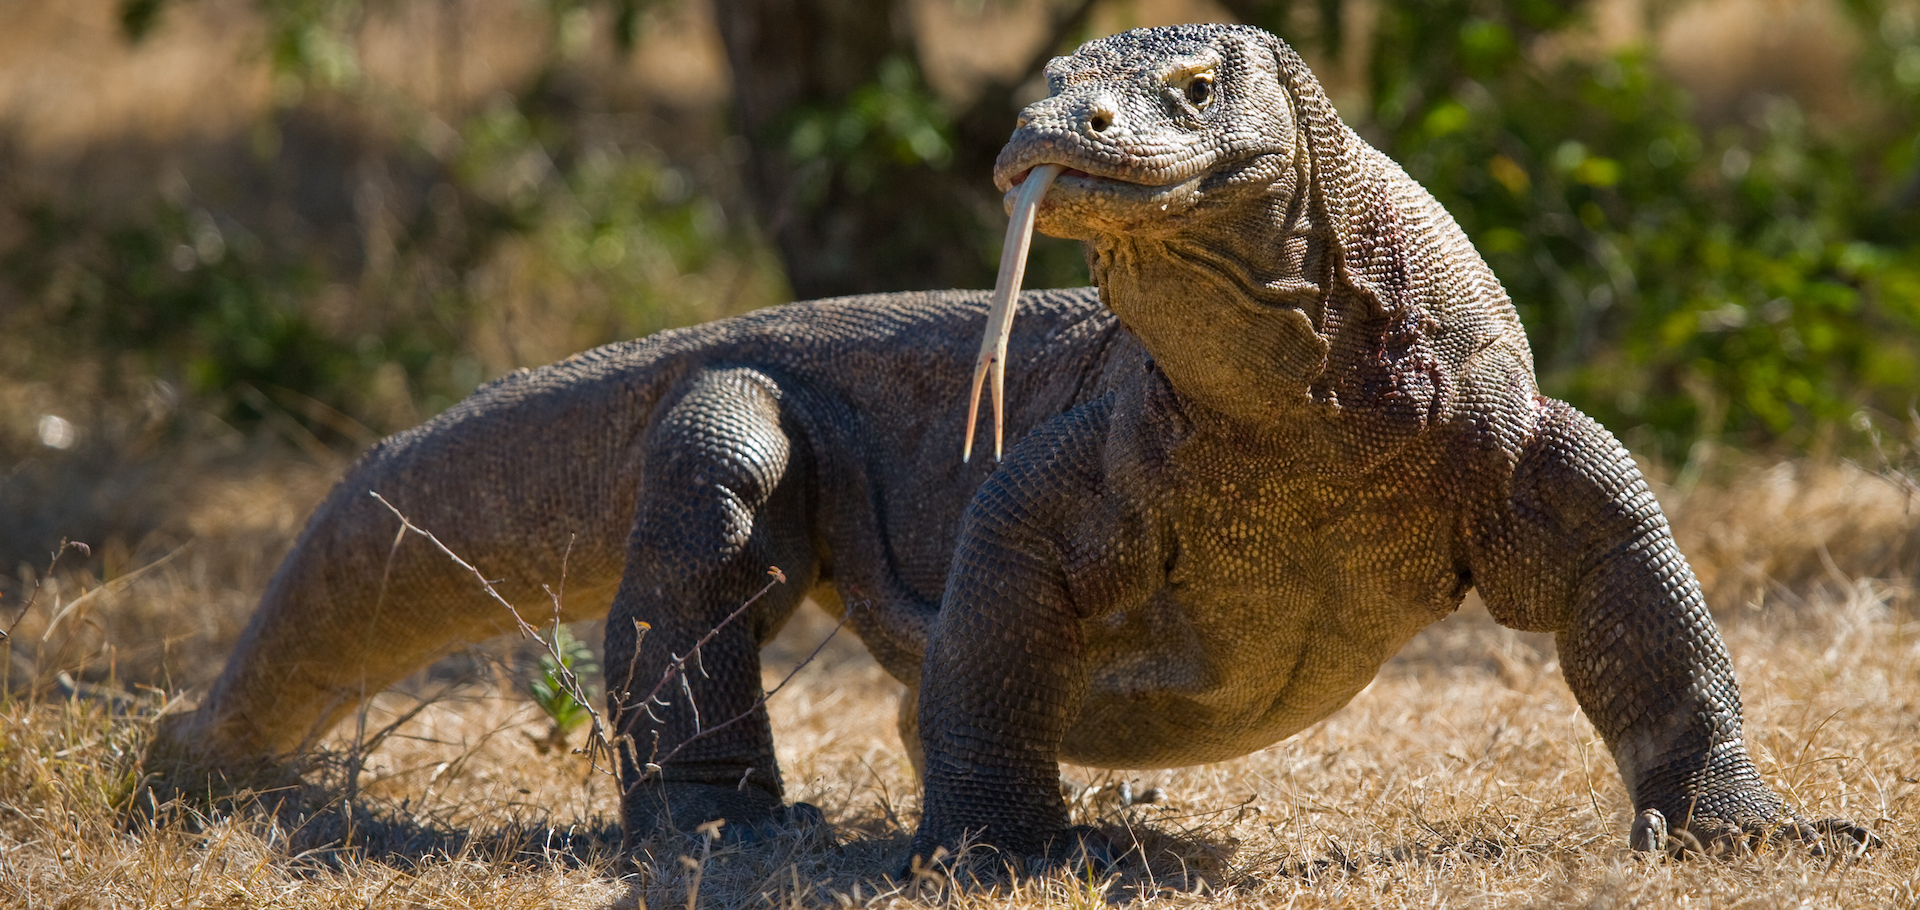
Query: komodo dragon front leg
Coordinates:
[1007,653]
[1577,546]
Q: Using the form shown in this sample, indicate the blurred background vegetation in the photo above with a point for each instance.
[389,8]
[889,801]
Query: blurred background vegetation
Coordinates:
[317,221]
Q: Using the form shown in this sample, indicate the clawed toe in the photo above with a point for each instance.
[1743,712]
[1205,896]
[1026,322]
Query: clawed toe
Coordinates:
[1840,835]
[1652,834]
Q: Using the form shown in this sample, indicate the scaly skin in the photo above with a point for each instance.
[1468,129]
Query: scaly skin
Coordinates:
[818,437]
[1336,434]
[1302,426]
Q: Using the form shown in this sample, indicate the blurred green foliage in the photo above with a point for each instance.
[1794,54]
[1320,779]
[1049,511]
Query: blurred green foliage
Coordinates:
[1757,281]
[177,286]
[1753,278]
[528,232]
[200,299]
[894,121]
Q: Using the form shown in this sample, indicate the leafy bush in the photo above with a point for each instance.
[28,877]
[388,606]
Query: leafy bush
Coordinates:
[1760,280]
[1757,281]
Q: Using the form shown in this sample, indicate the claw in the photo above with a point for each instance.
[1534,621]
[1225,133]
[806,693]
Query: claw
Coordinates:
[1006,289]
[1841,834]
[1649,832]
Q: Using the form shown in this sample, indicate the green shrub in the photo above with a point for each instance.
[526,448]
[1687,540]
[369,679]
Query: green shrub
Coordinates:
[549,689]
[1760,280]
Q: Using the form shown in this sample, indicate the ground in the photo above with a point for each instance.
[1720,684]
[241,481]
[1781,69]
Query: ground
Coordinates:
[1464,776]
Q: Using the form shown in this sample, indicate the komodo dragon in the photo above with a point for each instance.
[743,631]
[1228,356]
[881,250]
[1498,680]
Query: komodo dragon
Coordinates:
[1296,425]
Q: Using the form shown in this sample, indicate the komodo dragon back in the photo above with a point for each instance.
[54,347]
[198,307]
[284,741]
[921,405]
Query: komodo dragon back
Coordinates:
[1298,423]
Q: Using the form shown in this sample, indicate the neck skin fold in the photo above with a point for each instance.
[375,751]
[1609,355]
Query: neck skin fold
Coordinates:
[1230,300]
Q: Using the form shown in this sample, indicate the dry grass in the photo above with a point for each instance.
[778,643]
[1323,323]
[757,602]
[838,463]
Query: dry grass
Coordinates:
[1464,776]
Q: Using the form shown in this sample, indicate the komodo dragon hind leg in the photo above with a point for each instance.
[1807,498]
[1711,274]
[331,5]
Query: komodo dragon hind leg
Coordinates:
[722,498]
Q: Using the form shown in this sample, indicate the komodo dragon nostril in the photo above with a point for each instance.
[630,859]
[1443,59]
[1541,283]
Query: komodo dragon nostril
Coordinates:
[1101,115]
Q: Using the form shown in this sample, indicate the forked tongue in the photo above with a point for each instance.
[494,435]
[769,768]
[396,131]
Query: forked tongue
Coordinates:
[1013,266]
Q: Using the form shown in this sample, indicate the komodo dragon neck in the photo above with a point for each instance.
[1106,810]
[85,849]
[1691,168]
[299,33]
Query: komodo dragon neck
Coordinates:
[1255,353]
[1235,226]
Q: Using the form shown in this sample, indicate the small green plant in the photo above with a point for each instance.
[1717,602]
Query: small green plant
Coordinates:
[550,690]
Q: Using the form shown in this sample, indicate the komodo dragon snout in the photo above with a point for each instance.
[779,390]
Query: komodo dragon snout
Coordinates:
[1297,423]
[1146,138]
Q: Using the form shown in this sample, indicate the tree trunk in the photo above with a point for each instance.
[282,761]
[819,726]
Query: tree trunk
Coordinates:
[866,220]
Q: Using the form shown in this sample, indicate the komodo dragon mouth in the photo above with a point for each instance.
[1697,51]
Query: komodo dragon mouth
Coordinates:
[1129,187]
[1074,173]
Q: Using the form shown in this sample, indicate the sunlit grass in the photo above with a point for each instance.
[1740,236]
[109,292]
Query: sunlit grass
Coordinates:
[1464,776]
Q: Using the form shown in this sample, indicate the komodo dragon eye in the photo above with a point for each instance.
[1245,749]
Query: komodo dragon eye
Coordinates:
[1200,90]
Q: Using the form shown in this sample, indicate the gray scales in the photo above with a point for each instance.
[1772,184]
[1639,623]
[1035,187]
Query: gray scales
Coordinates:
[1296,423]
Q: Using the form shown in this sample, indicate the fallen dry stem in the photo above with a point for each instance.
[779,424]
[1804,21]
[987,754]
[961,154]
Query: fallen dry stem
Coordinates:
[598,744]
[654,766]
[6,635]
[676,669]
[40,581]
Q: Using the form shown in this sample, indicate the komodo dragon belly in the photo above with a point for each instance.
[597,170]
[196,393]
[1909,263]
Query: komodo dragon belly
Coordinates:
[1291,621]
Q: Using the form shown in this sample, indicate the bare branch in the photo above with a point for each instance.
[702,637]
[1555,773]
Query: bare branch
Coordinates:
[597,744]
[65,545]
[679,663]
[757,704]
[599,741]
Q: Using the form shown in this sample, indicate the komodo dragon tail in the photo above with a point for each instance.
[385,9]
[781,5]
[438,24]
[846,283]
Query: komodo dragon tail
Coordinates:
[528,479]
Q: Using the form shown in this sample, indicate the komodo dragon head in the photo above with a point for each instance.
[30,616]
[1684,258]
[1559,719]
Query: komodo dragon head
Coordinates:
[1160,128]
[1273,263]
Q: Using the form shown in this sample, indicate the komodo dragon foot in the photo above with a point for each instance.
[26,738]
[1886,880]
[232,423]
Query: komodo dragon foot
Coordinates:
[1711,831]
[1081,850]
[749,814]
[1724,809]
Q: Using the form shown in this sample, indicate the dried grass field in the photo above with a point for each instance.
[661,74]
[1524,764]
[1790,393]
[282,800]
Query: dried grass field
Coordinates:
[1463,777]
